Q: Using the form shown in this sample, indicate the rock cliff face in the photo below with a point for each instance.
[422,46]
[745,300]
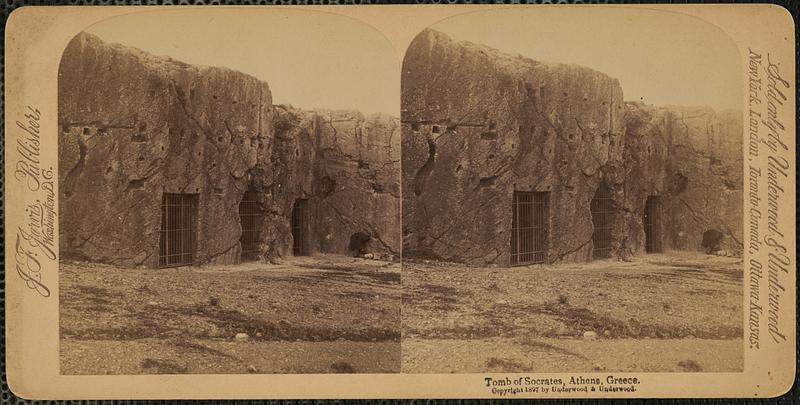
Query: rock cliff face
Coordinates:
[692,158]
[347,166]
[358,181]
[135,126]
[478,125]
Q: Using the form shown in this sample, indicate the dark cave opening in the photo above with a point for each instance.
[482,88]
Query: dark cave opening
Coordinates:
[359,243]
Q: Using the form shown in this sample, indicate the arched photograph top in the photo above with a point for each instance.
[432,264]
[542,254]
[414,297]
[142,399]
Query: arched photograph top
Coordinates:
[229,189]
[565,170]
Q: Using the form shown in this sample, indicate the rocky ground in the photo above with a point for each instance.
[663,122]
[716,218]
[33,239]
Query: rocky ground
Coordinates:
[322,314]
[661,312]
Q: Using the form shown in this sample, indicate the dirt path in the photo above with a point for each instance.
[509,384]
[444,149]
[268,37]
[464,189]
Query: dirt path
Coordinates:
[319,314]
[664,312]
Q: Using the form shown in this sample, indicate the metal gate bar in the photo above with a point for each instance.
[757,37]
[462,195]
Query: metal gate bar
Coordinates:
[178,224]
[652,224]
[251,216]
[299,226]
[602,208]
[528,227]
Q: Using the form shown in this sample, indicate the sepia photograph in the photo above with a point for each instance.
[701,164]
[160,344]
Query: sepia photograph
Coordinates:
[229,195]
[308,202]
[572,194]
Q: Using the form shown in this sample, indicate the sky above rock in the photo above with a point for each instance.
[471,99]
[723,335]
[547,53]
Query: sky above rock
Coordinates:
[659,57]
[321,60]
[310,59]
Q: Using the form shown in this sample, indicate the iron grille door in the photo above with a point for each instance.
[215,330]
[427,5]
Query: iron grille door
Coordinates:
[299,226]
[528,227]
[652,224]
[602,208]
[251,216]
[178,225]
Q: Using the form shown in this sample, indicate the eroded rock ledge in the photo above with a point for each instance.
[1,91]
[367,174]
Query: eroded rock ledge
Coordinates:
[135,126]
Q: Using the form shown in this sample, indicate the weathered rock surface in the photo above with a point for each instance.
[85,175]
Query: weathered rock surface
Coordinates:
[135,126]
[478,125]
[347,167]
[358,181]
[505,124]
[692,158]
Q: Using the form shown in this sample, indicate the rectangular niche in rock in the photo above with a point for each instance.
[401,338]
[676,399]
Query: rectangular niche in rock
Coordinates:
[300,227]
[178,228]
[652,224]
[602,209]
[251,216]
[529,227]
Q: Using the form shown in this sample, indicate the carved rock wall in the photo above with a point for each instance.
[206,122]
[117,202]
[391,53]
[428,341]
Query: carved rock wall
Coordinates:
[478,125]
[692,158]
[346,165]
[134,126]
[358,181]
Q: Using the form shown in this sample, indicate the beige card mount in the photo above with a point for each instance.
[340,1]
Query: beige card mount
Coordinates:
[400,202]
